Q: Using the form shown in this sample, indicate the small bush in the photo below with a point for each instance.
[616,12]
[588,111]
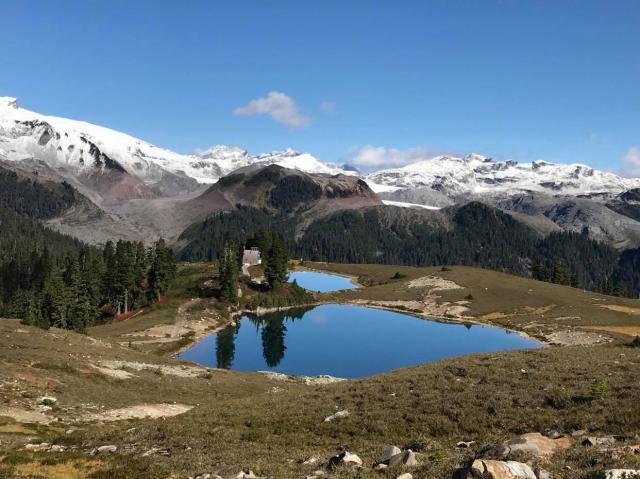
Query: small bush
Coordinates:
[398,275]
[635,343]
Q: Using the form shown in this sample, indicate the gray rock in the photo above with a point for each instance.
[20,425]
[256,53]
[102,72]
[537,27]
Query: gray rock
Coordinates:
[105,449]
[619,474]
[388,453]
[407,458]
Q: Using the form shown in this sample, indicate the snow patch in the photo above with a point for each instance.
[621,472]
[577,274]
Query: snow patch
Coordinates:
[402,204]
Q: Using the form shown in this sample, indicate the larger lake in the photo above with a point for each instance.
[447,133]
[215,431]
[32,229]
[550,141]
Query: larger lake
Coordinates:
[344,341]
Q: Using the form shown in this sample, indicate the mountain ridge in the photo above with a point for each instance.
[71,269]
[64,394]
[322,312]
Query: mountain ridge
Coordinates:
[137,190]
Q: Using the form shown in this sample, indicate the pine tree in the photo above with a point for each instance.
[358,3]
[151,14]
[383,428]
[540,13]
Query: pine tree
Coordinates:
[276,262]
[560,274]
[56,300]
[229,269]
[162,270]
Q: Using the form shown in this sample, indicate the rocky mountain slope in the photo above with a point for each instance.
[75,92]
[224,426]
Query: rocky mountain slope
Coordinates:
[135,190]
[112,167]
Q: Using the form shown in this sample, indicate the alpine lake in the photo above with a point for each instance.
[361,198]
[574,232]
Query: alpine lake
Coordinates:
[342,340]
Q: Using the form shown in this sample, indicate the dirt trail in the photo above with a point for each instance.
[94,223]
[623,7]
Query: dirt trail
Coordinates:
[184,324]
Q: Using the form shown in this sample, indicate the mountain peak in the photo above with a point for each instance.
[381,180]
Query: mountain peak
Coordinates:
[8,101]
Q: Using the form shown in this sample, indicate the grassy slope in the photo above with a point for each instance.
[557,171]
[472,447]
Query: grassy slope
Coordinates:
[240,420]
[533,306]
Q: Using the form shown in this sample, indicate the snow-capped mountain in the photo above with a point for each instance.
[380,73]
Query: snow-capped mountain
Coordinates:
[81,152]
[479,175]
[119,166]
[221,160]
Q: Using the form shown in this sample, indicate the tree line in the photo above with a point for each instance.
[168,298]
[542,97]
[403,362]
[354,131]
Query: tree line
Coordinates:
[478,235]
[49,279]
[79,288]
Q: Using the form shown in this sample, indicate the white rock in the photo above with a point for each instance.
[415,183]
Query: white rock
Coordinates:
[352,459]
[491,469]
[338,415]
[106,449]
[406,475]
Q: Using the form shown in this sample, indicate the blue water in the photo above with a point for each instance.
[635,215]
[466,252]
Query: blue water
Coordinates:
[344,341]
[321,282]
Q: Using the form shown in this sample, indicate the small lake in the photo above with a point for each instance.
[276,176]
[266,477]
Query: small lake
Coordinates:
[344,341]
[321,282]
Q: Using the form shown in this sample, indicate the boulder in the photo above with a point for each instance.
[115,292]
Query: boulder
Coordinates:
[619,474]
[344,458]
[338,415]
[388,453]
[490,469]
[351,459]
[104,450]
[406,458]
[538,445]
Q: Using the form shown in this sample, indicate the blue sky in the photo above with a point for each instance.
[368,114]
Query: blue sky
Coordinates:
[376,83]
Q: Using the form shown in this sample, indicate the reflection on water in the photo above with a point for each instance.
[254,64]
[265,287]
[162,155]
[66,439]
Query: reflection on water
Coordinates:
[344,341]
[272,330]
[226,347]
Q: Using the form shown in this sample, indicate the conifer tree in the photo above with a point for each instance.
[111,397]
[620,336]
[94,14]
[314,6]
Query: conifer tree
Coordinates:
[276,262]
[229,269]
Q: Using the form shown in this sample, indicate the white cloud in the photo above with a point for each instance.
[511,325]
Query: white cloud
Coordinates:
[381,157]
[328,106]
[281,107]
[632,162]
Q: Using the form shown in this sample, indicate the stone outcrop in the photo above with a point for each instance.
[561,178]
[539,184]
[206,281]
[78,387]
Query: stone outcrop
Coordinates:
[537,445]
[491,469]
